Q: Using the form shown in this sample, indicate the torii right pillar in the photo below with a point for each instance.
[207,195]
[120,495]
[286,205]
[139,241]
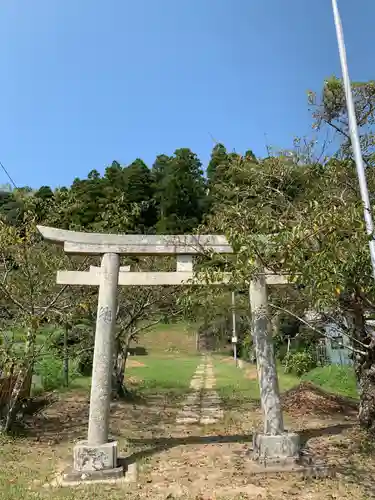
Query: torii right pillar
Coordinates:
[274,445]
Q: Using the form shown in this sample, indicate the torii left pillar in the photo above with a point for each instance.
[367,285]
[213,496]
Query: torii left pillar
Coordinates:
[97,457]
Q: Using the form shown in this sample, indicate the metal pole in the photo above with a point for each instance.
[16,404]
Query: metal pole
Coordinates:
[234,337]
[354,134]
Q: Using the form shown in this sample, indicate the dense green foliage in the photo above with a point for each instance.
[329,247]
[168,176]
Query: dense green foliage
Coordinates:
[299,362]
[168,198]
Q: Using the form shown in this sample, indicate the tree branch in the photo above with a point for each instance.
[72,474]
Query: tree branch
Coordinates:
[323,334]
[60,292]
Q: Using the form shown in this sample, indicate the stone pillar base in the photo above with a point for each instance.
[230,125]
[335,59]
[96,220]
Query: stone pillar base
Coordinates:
[98,464]
[282,449]
[88,458]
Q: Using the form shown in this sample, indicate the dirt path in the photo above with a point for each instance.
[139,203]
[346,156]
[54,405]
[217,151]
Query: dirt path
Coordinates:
[203,404]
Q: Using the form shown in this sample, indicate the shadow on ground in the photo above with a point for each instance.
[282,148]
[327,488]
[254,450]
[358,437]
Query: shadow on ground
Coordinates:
[65,419]
[153,446]
[331,430]
[163,444]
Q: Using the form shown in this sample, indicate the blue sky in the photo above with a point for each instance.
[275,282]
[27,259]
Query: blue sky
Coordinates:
[85,82]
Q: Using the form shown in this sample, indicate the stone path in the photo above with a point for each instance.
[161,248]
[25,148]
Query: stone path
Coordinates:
[203,404]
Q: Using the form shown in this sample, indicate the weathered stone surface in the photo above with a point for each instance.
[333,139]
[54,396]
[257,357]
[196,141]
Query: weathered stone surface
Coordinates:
[148,278]
[276,279]
[98,243]
[305,471]
[266,364]
[92,278]
[283,448]
[123,269]
[88,458]
[72,477]
[103,352]
[184,263]
[124,473]
[203,405]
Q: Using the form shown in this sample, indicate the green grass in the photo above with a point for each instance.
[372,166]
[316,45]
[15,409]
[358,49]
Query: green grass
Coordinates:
[163,373]
[163,343]
[18,335]
[336,379]
[231,381]
[178,338]
[160,374]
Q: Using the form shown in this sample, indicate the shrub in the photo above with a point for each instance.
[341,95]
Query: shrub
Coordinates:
[245,347]
[80,345]
[50,370]
[280,351]
[299,362]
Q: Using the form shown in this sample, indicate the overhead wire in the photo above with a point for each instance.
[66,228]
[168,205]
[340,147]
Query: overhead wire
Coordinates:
[8,175]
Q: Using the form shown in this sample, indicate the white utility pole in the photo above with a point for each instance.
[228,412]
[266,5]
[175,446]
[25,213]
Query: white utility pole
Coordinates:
[354,136]
[234,335]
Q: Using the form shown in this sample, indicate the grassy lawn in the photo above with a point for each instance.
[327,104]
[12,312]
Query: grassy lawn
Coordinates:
[233,382]
[335,379]
[162,373]
[173,338]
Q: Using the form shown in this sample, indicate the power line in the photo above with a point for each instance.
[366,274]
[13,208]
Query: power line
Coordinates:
[8,175]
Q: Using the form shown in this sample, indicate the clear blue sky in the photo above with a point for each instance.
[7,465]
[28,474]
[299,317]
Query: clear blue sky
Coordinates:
[85,82]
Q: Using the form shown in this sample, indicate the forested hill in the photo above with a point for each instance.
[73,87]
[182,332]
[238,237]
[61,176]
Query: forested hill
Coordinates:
[171,196]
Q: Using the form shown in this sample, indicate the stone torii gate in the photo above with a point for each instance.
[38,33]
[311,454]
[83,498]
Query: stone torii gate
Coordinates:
[96,458]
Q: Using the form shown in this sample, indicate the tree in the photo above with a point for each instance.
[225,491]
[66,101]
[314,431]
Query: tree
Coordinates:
[11,207]
[180,192]
[89,197]
[44,193]
[140,308]
[315,234]
[330,110]
[28,293]
[139,189]
[219,159]
[114,176]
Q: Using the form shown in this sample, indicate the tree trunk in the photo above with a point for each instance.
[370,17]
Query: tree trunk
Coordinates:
[275,322]
[364,365]
[24,373]
[29,359]
[118,372]
[15,399]
[66,357]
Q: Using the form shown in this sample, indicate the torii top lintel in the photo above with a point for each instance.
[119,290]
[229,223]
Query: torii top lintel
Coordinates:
[76,242]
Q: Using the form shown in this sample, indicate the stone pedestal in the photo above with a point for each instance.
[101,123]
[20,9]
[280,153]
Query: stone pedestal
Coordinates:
[93,458]
[275,454]
[94,463]
[278,449]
